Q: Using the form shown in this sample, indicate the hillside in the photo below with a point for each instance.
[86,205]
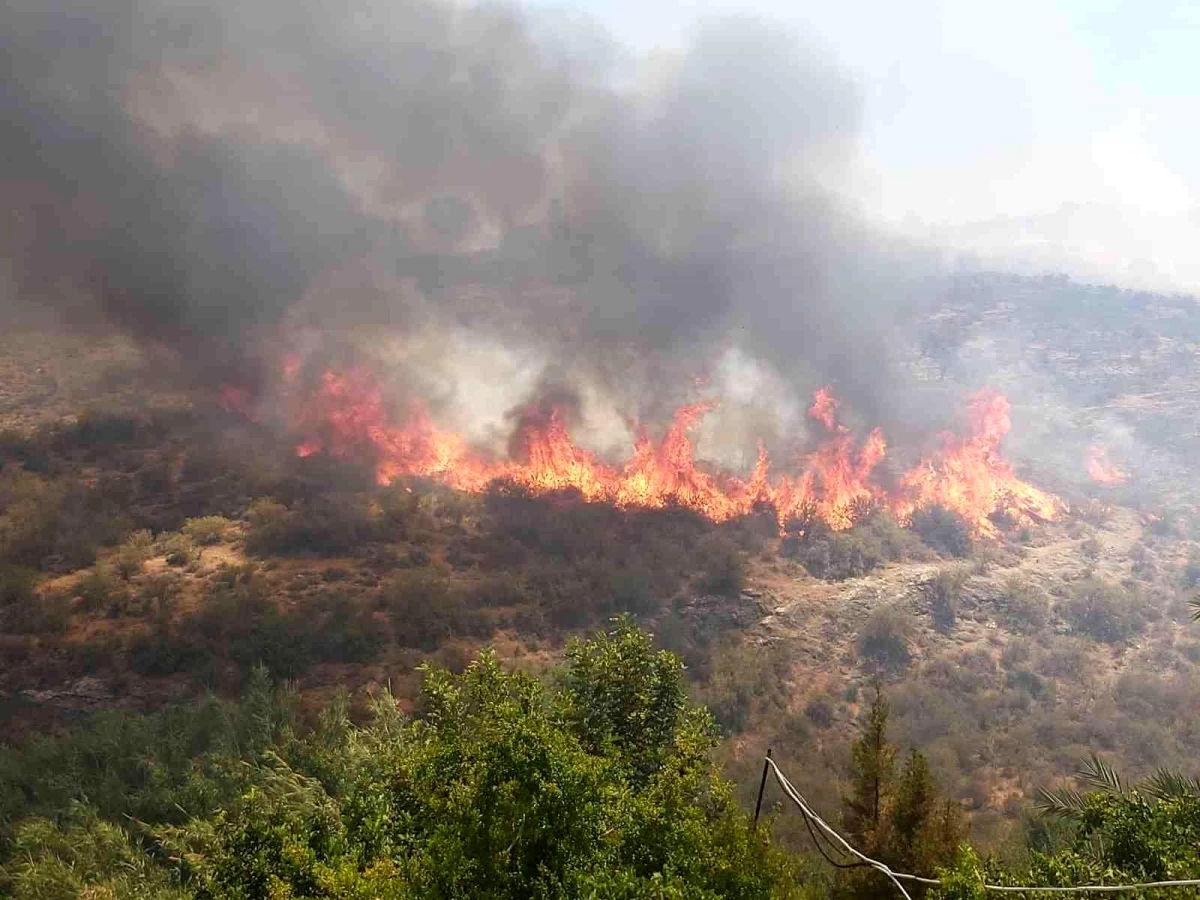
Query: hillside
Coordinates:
[158,546]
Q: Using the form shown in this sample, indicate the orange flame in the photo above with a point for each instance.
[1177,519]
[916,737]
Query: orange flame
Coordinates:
[348,416]
[970,477]
[1101,470]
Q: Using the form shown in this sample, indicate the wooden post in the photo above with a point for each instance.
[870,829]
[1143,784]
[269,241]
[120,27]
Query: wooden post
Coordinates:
[761,787]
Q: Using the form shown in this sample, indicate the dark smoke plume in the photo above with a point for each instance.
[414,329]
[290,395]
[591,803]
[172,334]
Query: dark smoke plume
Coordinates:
[214,176]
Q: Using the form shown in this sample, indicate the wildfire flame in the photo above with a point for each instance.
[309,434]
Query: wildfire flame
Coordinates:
[348,416]
[1101,470]
[970,476]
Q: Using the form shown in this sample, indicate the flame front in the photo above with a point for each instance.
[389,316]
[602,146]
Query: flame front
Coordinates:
[970,476]
[347,416]
[1101,471]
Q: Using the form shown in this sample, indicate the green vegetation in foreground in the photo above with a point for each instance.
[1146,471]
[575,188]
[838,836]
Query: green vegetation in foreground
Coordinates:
[600,785]
[502,787]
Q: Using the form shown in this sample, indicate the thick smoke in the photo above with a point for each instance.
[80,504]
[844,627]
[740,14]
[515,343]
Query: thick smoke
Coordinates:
[218,179]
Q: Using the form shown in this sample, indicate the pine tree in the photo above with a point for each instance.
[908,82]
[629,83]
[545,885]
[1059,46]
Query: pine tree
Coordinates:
[872,773]
[914,805]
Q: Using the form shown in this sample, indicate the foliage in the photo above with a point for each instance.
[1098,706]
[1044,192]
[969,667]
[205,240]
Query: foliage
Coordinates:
[724,571]
[873,771]
[838,555]
[897,818]
[1103,610]
[1024,607]
[53,525]
[326,525]
[84,856]
[502,789]
[884,638]
[945,593]
[206,530]
[133,553]
[16,585]
[741,682]
[943,530]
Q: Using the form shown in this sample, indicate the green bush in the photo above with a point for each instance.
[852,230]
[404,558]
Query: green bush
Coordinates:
[1023,607]
[884,638]
[47,613]
[723,570]
[425,609]
[604,787]
[133,553]
[838,555]
[1102,610]
[328,525]
[943,530]
[99,588]
[207,530]
[178,550]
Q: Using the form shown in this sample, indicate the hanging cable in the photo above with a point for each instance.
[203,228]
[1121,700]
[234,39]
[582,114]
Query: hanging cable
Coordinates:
[807,812]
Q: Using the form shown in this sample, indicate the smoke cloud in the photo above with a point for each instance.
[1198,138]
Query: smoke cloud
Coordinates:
[479,181]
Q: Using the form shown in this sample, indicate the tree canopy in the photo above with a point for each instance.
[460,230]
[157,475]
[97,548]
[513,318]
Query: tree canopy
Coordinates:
[500,788]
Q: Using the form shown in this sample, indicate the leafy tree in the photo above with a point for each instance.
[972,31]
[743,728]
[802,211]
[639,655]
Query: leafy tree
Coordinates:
[1123,834]
[502,788]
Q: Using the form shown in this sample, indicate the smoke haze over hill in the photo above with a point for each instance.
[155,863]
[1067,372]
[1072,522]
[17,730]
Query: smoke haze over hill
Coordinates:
[221,180]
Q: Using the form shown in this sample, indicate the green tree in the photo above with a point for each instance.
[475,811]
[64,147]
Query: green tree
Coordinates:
[900,820]
[872,771]
[503,787]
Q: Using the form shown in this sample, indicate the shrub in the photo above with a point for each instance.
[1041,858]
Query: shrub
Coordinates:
[943,530]
[98,587]
[1191,572]
[724,571]
[16,584]
[836,556]
[207,530]
[47,613]
[133,553]
[425,611]
[330,525]
[884,638]
[178,550]
[819,711]
[1102,610]
[944,592]
[268,527]
[1024,607]
[52,526]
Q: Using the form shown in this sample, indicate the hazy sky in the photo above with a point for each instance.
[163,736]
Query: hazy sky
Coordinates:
[977,110]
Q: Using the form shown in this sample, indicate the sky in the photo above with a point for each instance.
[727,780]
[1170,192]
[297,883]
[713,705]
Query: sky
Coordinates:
[1041,136]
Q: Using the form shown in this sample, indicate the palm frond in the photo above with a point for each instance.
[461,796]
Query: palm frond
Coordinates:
[1194,603]
[1064,803]
[1165,784]
[1101,776]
